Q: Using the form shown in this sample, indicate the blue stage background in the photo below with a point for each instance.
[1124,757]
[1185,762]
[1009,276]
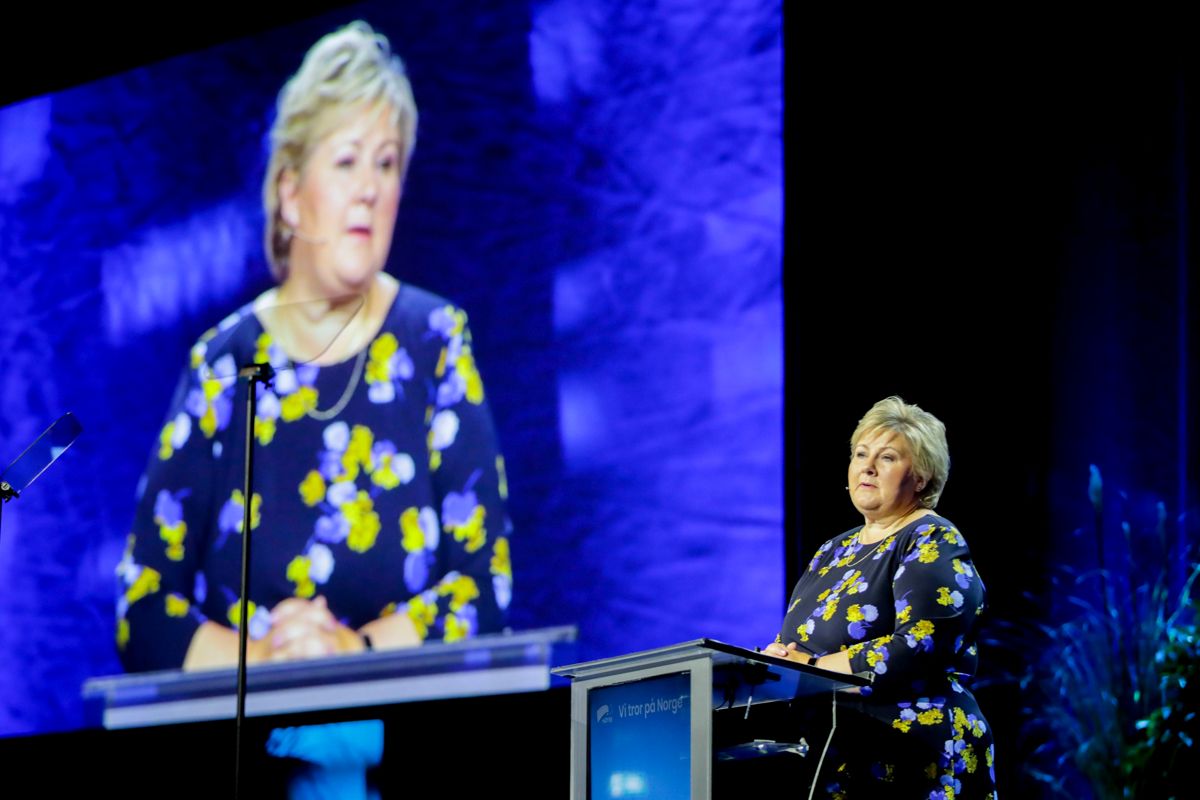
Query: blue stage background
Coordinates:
[598,183]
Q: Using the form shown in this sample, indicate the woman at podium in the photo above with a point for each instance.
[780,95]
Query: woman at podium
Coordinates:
[898,599]
[379,497]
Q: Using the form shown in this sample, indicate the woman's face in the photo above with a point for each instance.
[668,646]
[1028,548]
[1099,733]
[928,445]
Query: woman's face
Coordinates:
[881,476]
[342,205]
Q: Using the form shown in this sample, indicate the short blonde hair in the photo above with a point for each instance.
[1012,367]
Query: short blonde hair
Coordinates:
[346,70]
[926,437]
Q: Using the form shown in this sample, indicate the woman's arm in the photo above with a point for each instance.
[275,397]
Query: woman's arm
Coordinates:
[214,646]
[835,662]
[159,595]
[471,592]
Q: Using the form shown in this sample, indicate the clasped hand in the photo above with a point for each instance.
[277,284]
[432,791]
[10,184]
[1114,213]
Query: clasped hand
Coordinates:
[304,629]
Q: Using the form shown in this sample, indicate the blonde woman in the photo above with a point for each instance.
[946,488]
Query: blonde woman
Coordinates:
[897,598]
[378,516]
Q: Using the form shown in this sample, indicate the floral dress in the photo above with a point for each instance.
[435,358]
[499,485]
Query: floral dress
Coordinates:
[395,505]
[906,611]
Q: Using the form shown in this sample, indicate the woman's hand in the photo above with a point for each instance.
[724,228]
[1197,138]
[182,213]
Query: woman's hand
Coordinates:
[392,632]
[307,629]
[789,651]
[834,662]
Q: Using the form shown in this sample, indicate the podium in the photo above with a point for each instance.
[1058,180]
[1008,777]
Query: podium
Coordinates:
[642,723]
[485,665]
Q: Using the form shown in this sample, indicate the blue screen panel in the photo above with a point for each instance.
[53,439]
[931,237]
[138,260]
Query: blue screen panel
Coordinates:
[639,739]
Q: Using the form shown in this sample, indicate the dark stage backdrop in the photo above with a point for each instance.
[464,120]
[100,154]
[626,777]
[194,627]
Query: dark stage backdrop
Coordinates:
[599,184]
[998,227]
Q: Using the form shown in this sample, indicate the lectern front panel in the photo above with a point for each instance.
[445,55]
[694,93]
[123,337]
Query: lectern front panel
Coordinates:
[643,732]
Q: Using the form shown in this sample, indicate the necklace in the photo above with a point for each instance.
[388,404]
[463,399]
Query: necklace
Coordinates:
[891,531]
[347,393]
[874,547]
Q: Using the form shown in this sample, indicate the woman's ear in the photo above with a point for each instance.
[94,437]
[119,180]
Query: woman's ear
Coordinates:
[289,207]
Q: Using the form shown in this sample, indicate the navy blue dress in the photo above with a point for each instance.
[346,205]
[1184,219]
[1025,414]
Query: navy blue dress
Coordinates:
[906,610]
[394,505]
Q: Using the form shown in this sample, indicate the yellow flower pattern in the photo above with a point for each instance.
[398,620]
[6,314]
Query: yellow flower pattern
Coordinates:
[931,717]
[264,430]
[384,476]
[472,532]
[381,352]
[500,563]
[455,628]
[928,553]
[147,583]
[297,573]
[422,611]
[364,522]
[173,535]
[295,405]
[412,537]
[466,368]
[830,609]
[501,478]
[234,615]
[312,490]
[461,589]
[177,605]
[239,500]
[165,448]
[212,388]
[262,348]
[921,629]
[122,633]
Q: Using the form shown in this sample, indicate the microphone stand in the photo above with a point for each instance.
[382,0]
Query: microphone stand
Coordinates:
[254,375]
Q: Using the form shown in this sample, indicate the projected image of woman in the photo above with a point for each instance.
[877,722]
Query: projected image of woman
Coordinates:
[897,598]
[378,514]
